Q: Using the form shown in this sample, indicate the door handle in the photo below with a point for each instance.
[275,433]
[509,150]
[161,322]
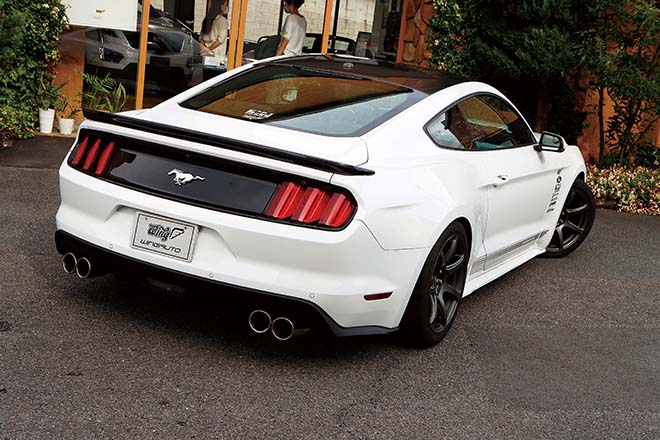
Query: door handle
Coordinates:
[501,180]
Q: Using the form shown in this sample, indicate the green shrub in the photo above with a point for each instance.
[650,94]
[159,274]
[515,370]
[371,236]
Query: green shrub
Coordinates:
[647,156]
[629,189]
[17,121]
[29,38]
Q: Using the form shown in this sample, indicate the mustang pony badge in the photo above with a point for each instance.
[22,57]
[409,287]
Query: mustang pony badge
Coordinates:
[182,178]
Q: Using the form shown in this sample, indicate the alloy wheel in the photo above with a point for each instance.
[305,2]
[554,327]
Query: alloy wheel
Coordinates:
[447,281]
[573,221]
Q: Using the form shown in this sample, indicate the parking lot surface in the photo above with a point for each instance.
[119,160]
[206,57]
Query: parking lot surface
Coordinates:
[558,349]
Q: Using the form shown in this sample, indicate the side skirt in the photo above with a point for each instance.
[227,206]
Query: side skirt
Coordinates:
[495,272]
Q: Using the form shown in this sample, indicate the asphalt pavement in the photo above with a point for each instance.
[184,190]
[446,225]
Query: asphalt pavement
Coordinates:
[557,349]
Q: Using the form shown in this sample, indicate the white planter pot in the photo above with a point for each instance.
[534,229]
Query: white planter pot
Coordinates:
[66,125]
[46,118]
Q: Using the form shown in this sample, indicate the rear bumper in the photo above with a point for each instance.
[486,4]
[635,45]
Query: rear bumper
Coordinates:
[329,271]
[306,312]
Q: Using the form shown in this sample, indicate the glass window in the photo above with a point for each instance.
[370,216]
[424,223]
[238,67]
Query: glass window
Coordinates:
[306,99]
[494,124]
[450,130]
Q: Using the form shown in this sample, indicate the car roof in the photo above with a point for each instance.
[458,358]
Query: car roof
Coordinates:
[423,80]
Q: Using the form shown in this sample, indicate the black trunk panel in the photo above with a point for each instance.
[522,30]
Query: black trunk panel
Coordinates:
[221,186]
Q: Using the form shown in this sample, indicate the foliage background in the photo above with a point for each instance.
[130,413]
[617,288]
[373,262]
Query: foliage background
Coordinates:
[29,37]
[537,53]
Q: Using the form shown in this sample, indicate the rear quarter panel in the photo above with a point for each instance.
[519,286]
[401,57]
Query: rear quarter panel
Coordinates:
[418,188]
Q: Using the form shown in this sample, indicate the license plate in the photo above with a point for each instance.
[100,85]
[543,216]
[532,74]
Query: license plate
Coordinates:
[164,236]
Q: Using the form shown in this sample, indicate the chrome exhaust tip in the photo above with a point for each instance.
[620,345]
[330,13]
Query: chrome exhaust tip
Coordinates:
[83,268]
[69,263]
[259,321]
[282,329]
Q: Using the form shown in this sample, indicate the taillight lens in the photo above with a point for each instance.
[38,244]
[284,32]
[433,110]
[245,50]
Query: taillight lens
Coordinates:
[93,154]
[311,205]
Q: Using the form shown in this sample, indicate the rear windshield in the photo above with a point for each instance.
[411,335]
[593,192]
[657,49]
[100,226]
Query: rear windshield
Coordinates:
[305,99]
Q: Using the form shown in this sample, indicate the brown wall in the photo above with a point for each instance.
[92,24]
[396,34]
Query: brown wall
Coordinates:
[72,51]
[589,142]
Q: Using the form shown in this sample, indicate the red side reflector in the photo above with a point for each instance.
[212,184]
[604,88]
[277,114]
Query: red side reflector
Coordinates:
[104,161]
[375,296]
[91,157]
[80,152]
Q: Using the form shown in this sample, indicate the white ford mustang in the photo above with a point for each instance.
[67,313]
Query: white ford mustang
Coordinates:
[323,191]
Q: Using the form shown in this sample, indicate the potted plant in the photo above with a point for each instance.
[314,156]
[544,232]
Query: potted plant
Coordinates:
[67,114]
[49,94]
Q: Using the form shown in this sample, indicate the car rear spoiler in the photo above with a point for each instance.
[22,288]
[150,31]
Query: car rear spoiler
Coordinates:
[229,144]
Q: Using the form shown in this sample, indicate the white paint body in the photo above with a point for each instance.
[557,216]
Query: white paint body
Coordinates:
[417,190]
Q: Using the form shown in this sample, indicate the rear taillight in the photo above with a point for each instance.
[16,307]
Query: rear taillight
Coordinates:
[93,154]
[311,205]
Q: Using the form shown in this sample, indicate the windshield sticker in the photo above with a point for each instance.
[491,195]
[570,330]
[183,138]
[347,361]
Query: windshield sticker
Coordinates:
[256,115]
[290,95]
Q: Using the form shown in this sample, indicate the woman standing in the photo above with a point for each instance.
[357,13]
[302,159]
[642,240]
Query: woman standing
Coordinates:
[295,28]
[214,28]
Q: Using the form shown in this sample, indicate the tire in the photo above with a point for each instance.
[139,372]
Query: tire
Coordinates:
[575,221]
[434,302]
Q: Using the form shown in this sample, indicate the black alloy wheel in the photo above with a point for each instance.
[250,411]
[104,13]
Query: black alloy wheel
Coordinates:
[434,302]
[575,221]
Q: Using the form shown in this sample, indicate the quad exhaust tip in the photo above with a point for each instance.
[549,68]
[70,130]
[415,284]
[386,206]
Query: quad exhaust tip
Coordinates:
[69,263]
[260,321]
[83,268]
[282,329]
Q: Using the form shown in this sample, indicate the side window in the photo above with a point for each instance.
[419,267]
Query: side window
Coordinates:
[450,130]
[494,124]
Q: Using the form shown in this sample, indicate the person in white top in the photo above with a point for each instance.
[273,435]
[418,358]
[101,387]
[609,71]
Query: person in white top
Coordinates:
[295,29]
[214,28]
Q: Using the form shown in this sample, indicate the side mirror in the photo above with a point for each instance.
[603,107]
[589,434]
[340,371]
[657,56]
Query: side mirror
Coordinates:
[550,142]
